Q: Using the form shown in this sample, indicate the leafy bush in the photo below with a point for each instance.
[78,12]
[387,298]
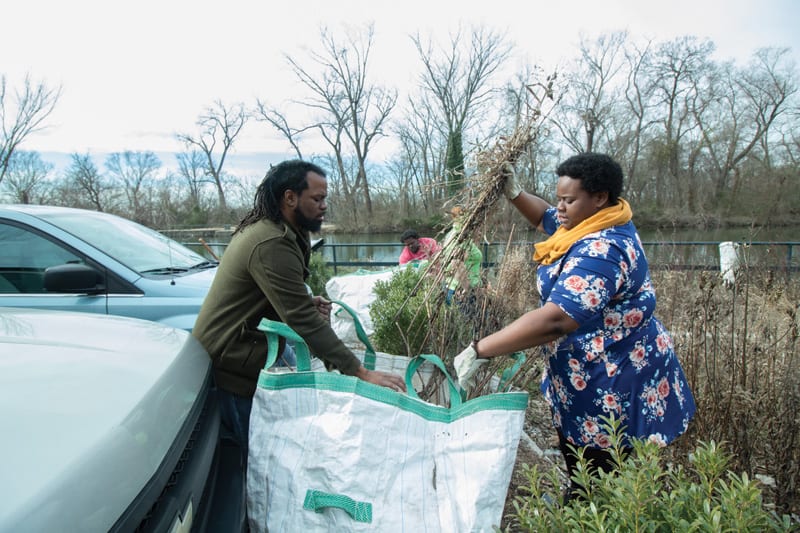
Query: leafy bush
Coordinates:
[409,316]
[645,494]
[399,315]
[320,274]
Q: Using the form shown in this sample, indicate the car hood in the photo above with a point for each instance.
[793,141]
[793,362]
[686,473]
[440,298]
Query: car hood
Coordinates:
[89,406]
[191,284]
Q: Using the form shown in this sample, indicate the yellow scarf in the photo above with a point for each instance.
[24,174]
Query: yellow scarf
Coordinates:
[549,251]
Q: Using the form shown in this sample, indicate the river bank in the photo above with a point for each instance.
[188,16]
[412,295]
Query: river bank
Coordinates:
[740,229]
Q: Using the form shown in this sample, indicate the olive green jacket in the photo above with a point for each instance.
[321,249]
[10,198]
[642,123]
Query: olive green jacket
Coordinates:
[262,275]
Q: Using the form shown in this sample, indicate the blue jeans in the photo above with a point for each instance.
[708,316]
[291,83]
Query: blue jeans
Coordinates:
[288,357]
[235,409]
[235,415]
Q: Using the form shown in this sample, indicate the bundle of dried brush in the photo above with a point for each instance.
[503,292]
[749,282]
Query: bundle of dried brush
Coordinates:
[475,204]
[479,197]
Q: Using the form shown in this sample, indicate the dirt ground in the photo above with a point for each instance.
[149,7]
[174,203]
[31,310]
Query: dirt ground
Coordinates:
[538,446]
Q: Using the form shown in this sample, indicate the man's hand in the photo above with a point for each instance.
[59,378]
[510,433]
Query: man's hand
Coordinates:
[511,189]
[384,379]
[467,364]
[323,306]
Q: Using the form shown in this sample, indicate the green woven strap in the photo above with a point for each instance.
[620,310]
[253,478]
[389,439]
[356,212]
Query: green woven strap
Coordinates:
[369,353]
[416,362]
[274,330]
[318,501]
[511,372]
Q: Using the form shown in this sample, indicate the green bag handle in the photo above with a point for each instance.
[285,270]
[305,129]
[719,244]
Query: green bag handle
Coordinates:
[369,353]
[318,501]
[509,373]
[416,362]
[274,330]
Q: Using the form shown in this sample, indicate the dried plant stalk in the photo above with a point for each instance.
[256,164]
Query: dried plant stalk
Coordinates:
[477,202]
[486,186]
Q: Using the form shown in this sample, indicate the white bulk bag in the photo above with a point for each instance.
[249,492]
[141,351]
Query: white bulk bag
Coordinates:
[329,452]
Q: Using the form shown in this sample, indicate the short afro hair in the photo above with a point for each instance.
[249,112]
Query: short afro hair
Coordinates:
[409,234]
[597,172]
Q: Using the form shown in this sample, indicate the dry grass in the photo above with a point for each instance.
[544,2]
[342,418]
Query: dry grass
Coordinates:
[739,348]
[480,193]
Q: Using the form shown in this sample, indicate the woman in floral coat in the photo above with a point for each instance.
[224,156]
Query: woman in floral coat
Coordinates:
[607,354]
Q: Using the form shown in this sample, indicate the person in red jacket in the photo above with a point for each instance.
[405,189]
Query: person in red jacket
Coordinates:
[417,248]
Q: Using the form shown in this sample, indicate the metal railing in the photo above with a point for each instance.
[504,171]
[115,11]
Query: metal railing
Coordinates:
[662,255]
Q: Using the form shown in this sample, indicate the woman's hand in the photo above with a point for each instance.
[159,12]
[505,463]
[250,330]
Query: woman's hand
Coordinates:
[511,188]
[467,364]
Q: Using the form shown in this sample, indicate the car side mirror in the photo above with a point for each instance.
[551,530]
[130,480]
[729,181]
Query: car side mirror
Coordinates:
[74,278]
[316,244]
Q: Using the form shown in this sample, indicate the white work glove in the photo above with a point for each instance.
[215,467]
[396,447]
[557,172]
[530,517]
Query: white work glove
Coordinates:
[467,364]
[511,189]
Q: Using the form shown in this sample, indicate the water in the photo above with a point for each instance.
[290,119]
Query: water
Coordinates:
[387,247]
[383,249]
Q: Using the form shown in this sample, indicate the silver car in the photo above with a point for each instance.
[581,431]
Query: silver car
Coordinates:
[81,260]
[109,424]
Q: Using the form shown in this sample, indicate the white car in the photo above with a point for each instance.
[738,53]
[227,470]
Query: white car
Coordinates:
[109,424]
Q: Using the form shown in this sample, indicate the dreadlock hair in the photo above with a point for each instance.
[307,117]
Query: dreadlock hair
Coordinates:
[287,175]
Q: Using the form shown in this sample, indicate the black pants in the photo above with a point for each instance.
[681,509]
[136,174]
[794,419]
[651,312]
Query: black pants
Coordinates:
[598,459]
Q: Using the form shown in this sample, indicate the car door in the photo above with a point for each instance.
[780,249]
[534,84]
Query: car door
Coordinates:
[25,255]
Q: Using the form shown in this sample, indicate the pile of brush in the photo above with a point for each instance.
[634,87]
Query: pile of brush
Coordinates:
[473,209]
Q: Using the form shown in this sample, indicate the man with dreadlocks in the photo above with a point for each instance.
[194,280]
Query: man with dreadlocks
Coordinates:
[262,275]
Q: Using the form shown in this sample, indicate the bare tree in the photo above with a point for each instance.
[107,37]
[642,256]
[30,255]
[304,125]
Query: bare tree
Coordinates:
[423,141]
[136,172]
[193,173]
[747,104]
[637,118]
[22,117]
[594,86]
[277,120]
[783,163]
[26,176]
[219,127]
[85,179]
[459,81]
[350,111]
[676,67]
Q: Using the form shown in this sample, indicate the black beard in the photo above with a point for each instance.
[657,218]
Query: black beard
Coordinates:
[308,224]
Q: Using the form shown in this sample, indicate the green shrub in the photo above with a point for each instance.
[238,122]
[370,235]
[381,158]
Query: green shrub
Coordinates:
[399,316]
[645,494]
[320,274]
[410,316]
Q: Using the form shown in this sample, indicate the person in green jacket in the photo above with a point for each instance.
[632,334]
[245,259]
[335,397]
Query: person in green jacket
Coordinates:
[470,270]
[262,275]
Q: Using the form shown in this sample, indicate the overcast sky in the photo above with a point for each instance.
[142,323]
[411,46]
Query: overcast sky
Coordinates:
[135,73]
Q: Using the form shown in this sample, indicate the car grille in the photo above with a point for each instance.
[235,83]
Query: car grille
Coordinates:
[180,482]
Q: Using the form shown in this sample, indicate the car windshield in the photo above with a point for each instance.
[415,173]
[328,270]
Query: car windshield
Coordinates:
[139,248]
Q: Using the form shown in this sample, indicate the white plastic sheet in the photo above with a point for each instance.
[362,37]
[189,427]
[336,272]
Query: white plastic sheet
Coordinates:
[729,262]
[356,291]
